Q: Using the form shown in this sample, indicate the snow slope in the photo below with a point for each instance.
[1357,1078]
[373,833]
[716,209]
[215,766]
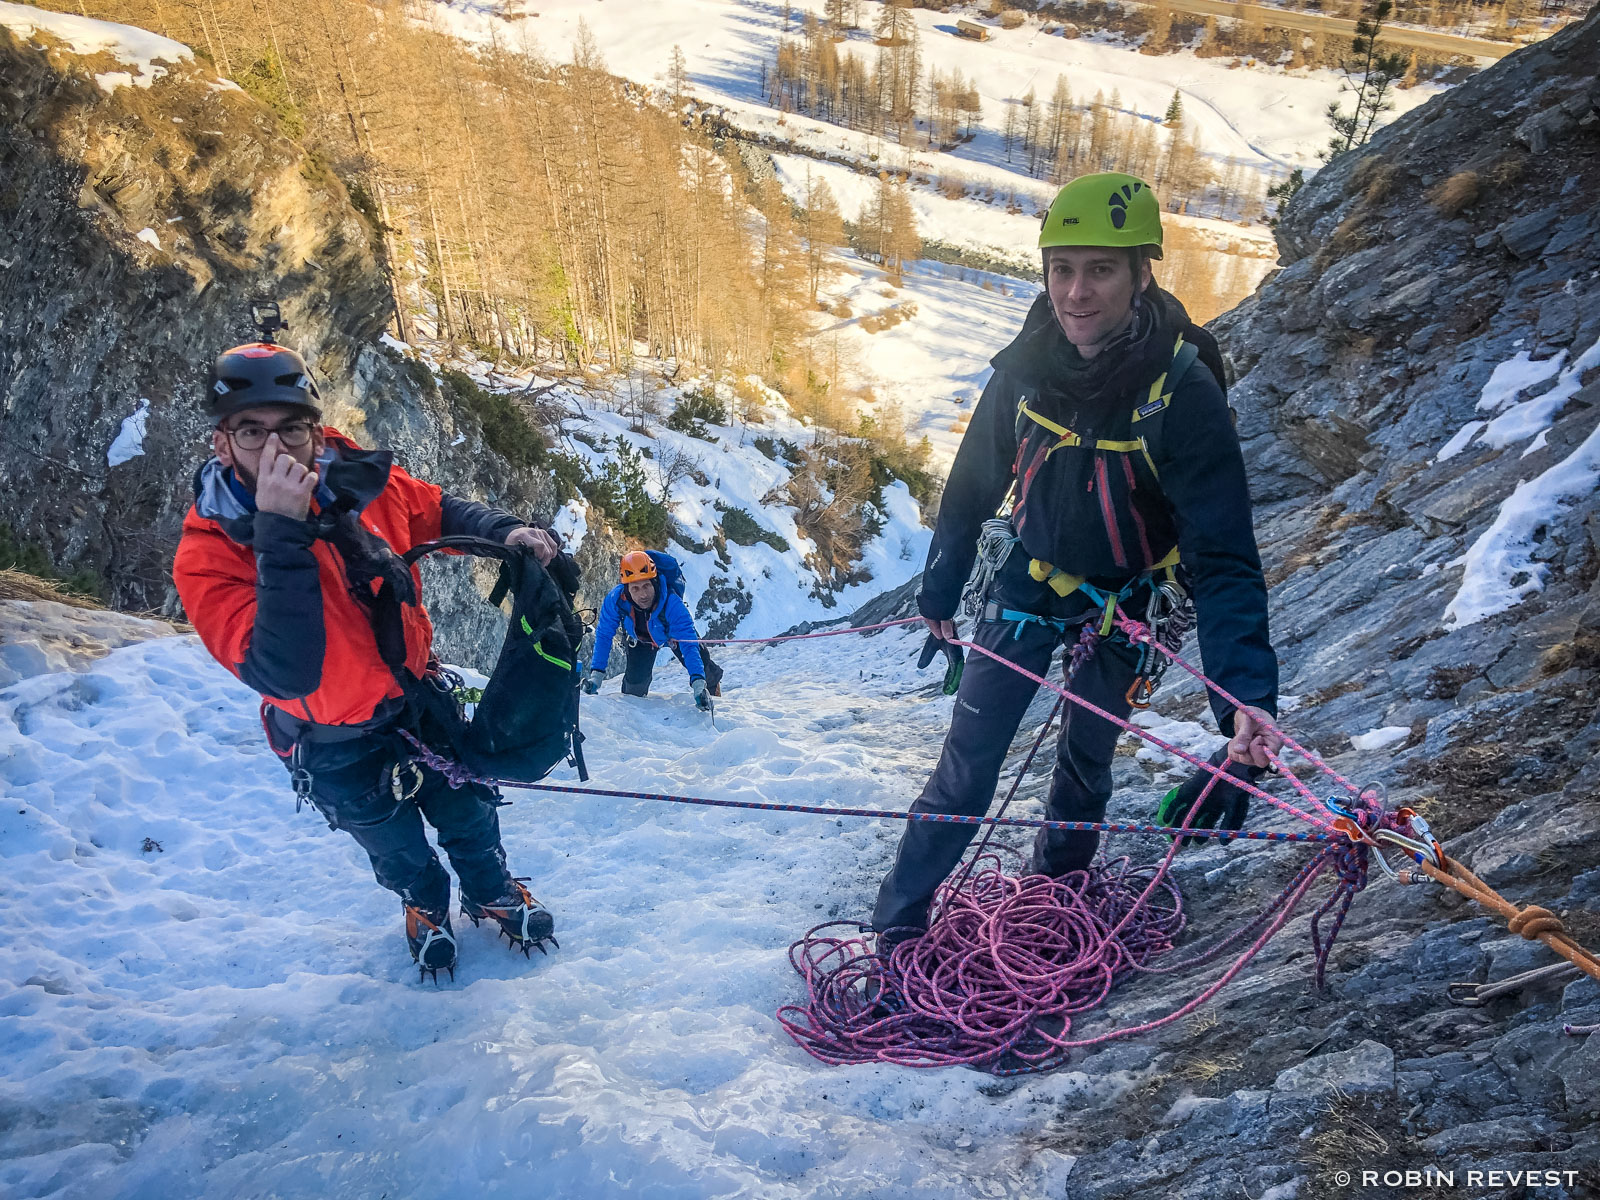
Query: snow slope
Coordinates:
[934,363]
[703,478]
[205,994]
[228,1009]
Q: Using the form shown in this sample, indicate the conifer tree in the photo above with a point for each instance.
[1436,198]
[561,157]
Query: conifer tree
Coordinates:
[1174,116]
[1011,130]
[1371,74]
[678,77]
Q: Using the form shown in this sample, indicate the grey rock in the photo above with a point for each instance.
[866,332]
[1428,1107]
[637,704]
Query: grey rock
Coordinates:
[1363,1069]
[1506,1134]
[1526,236]
[1580,1078]
[1580,994]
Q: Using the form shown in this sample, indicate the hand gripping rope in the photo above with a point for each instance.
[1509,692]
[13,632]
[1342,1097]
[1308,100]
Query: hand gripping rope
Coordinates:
[1008,962]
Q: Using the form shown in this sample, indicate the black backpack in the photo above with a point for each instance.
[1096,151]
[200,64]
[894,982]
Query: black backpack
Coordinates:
[526,721]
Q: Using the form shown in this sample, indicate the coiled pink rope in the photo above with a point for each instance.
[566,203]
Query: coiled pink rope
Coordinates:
[1007,963]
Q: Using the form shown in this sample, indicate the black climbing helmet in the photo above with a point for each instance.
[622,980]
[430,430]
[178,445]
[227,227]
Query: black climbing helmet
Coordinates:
[258,374]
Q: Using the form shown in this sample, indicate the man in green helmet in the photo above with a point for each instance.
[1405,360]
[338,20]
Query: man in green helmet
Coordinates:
[1105,443]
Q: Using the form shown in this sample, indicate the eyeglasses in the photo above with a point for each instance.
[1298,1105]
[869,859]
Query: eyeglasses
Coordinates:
[293,434]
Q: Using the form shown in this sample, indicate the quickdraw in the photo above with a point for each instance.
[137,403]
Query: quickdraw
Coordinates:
[1170,616]
[996,540]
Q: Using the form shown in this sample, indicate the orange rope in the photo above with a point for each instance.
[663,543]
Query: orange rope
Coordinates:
[1534,923]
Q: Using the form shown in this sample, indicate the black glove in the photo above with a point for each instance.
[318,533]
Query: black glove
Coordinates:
[955,659]
[1225,807]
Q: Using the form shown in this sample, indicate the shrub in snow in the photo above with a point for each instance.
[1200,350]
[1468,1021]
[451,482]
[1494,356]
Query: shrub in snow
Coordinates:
[742,529]
[505,429]
[695,411]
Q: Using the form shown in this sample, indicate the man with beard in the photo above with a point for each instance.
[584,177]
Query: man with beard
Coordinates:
[1105,438]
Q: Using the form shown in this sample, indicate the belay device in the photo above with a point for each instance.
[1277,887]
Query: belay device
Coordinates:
[527,720]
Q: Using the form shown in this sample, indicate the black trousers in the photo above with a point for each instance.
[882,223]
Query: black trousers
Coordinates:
[353,786]
[988,709]
[641,667]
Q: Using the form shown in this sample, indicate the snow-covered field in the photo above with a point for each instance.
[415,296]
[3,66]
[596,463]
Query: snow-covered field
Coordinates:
[205,994]
[1269,119]
[934,363]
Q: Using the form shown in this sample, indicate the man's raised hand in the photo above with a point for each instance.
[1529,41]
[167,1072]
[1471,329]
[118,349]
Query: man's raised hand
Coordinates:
[283,486]
[537,540]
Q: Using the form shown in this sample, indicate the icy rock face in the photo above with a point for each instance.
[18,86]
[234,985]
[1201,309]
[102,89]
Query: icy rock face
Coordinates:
[97,318]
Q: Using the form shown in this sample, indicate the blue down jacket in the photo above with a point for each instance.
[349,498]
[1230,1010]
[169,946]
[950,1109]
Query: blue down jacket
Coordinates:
[669,622]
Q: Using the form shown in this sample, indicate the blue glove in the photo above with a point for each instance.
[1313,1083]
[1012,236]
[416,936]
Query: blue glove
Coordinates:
[702,698]
[591,681]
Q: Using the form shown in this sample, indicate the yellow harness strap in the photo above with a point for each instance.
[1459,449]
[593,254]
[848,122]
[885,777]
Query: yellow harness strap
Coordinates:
[1064,584]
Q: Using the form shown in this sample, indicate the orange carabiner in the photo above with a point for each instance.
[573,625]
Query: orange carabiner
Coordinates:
[1140,691]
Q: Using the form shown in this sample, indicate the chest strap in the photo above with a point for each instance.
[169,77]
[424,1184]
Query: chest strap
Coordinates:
[1064,584]
[1159,396]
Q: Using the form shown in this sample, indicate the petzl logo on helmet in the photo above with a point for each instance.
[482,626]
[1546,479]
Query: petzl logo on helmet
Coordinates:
[1069,220]
[1119,203]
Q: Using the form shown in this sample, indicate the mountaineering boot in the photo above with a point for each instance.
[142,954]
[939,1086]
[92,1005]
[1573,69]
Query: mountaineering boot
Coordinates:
[433,945]
[524,921]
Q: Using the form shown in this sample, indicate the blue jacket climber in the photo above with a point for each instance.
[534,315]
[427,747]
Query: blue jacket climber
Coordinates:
[651,614]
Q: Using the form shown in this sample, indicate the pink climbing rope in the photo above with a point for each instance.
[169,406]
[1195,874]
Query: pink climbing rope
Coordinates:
[799,637]
[1009,962]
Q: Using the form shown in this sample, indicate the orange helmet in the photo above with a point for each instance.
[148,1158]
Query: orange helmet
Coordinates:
[637,565]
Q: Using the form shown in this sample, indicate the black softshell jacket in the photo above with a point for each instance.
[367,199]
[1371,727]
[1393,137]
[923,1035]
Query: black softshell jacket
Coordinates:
[1107,515]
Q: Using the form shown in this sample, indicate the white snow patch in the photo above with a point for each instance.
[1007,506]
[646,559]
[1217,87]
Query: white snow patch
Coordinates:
[42,637]
[129,442]
[137,48]
[571,524]
[1284,1191]
[388,339]
[458,439]
[1189,736]
[1500,571]
[1528,418]
[1458,443]
[149,237]
[1377,739]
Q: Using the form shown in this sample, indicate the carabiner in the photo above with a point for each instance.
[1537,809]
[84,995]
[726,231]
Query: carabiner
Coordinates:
[1420,827]
[1140,691]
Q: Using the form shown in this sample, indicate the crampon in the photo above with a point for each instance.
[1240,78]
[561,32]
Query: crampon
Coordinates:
[432,943]
[525,922]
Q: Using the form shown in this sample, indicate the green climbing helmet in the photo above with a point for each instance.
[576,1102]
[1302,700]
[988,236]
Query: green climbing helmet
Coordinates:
[1112,209]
